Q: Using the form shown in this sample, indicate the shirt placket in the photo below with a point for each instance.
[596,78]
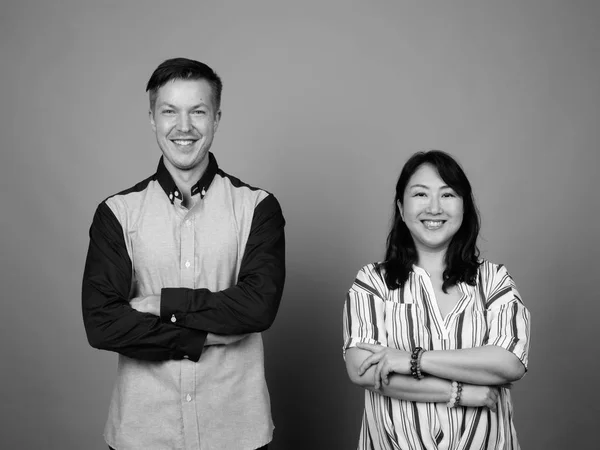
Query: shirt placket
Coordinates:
[434,308]
[188,368]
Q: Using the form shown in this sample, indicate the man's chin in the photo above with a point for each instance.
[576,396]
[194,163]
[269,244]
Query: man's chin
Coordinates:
[187,162]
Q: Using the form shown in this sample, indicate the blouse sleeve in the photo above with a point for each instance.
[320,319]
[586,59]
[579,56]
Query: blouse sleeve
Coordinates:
[508,319]
[363,315]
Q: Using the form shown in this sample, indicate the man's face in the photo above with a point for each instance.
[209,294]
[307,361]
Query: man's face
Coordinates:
[185,120]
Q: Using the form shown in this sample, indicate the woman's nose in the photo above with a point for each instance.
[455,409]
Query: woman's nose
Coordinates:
[435,206]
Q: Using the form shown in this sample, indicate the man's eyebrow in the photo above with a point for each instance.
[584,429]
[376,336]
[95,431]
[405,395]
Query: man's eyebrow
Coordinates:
[168,105]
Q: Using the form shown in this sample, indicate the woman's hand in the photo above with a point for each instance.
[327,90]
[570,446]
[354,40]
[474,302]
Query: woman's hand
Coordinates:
[477,396]
[386,360]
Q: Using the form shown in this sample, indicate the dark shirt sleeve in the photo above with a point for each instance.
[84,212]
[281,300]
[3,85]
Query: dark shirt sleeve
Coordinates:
[249,306]
[110,322]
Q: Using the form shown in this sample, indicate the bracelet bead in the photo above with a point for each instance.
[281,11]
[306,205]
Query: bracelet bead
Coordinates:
[415,363]
[455,394]
[458,394]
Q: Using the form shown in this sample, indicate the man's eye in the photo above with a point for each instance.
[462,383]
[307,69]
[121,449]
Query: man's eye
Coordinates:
[199,112]
[168,111]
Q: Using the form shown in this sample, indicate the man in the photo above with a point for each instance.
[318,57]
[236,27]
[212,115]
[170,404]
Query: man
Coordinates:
[184,270]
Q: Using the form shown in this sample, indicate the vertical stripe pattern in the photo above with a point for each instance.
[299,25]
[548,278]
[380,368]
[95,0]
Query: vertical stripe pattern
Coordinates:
[489,313]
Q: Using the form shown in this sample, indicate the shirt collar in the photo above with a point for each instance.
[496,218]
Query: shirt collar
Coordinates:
[420,271]
[166,181]
[466,288]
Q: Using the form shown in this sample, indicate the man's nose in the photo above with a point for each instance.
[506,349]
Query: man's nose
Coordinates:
[183,123]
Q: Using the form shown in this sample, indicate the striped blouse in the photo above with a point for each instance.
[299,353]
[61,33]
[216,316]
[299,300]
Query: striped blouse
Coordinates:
[489,313]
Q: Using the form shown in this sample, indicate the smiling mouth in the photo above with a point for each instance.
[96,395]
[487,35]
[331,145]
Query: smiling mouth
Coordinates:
[433,224]
[183,142]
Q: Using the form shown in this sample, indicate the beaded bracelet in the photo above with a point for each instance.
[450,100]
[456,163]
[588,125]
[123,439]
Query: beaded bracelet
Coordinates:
[455,394]
[458,393]
[415,363]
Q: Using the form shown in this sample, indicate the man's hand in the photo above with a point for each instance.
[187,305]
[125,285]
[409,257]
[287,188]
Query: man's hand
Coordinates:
[387,361]
[150,304]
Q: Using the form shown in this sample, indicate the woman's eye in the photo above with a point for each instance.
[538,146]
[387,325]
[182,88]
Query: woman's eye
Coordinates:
[419,194]
[449,194]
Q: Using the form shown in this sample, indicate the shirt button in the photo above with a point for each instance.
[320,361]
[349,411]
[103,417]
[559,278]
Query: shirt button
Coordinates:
[187,264]
[186,357]
[173,319]
[188,223]
[188,398]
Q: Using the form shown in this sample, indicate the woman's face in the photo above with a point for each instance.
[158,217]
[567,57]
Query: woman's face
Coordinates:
[432,211]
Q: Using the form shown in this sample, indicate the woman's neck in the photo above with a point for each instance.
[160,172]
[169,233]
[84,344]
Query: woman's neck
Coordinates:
[432,262]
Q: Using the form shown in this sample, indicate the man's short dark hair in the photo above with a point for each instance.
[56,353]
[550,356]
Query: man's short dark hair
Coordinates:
[183,69]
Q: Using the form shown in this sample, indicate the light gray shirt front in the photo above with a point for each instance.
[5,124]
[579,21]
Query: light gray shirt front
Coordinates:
[220,402]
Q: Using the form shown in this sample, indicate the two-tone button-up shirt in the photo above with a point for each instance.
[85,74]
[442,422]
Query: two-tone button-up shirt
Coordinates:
[192,378]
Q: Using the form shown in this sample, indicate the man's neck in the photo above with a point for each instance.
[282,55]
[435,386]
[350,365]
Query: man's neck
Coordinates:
[186,179]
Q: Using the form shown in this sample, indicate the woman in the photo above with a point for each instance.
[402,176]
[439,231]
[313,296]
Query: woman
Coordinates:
[433,333]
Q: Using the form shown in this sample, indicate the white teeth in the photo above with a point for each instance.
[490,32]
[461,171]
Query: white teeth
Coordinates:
[433,224]
[183,142]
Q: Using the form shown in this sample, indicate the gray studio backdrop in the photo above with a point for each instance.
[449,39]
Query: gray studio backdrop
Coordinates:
[323,102]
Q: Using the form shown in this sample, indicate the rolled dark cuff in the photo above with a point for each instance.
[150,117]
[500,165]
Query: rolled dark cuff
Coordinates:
[174,305]
[191,344]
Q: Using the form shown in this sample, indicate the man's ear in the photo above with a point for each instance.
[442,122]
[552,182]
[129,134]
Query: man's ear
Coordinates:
[151,117]
[217,120]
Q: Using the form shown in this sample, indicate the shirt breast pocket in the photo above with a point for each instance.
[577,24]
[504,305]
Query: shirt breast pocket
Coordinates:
[402,323]
[474,332]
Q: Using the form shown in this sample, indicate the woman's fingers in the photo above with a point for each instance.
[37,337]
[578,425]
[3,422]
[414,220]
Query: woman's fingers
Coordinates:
[493,399]
[386,371]
[372,359]
[383,358]
[382,372]
[364,366]
[370,347]
[378,373]
[368,362]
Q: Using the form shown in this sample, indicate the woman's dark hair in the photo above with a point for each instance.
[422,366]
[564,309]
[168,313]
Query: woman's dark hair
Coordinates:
[462,256]
[183,69]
